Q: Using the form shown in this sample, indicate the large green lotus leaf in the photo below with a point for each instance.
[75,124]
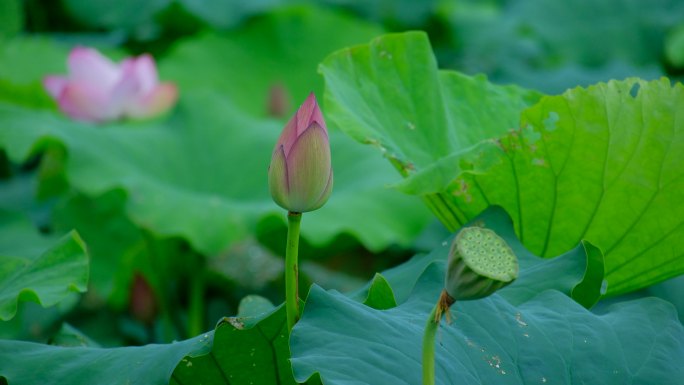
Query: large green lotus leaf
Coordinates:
[578,273]
[249,348]
[36,269]
[26,363]
[389,93]
[278,50]
[202,174]
[603,164]
[671,291]
[246,350]
[597,163]
[549,339]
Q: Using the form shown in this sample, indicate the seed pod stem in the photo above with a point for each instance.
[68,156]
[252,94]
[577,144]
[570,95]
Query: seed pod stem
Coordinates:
[441,308]
[429,346]
[480,262]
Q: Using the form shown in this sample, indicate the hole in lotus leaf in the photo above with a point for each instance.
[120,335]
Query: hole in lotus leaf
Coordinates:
[634,91]
[550,121]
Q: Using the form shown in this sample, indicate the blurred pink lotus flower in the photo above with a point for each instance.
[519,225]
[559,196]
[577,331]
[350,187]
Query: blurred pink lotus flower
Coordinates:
[99,90]
[300,176]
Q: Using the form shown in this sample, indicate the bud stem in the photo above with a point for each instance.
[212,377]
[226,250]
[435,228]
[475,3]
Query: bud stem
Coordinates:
[291,269]
[435,317]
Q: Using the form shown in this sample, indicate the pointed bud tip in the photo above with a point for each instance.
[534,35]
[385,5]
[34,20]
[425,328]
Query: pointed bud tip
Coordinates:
[313,111]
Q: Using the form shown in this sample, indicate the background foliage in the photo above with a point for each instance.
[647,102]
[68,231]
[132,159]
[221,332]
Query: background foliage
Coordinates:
[118,239]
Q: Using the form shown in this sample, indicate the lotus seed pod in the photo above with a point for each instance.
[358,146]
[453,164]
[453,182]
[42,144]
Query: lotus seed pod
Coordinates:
[480,263]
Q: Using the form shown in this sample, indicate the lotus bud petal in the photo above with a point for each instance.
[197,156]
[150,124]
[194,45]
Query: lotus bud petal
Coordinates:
[99,90]
[480,262]
[300,176]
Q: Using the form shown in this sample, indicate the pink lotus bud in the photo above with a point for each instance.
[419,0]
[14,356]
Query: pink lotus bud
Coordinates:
[98,90]
[300,176]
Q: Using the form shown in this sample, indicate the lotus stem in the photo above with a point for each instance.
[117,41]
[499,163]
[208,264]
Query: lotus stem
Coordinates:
[429,347]
[292,269]
[441,308]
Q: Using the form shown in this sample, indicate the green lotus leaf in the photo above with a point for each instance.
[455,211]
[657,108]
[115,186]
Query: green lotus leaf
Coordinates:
[35,268]
[24,363]
[252,349]
[203,174]
[600,163]
[578,273]
[548,339]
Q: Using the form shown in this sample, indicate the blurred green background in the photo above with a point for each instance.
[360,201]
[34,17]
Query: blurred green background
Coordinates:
[166,263]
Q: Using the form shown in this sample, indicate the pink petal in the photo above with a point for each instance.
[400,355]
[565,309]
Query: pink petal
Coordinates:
[145,71]
[139,93]
[288,136]
[127,91]
[55,85]
[97,89]
[307,114]
[161,99]
[89,66]
[81,101]
[309,170]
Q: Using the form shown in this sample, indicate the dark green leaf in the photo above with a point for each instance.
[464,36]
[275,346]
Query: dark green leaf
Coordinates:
[25,363]
[389,93]
[30,271]
[548,339]
[380,295]
[600,163]
[577,273]
[596,164]
[206,169]
[246,350]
